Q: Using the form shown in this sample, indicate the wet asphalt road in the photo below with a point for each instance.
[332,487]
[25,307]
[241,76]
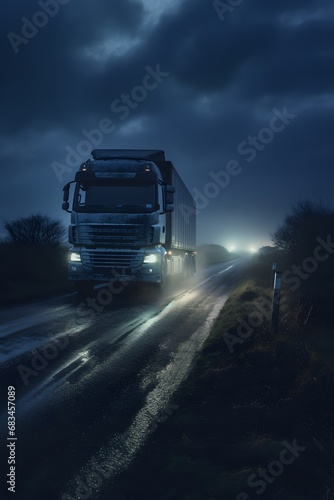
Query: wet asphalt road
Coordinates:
[94,378]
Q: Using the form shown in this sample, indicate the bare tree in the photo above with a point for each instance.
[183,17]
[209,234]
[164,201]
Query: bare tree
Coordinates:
[37,229]
[301,228]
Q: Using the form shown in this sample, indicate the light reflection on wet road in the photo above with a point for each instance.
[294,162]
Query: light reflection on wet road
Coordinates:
[82,384]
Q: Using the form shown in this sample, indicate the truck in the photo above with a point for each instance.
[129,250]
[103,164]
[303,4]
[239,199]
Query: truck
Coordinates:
[132,220]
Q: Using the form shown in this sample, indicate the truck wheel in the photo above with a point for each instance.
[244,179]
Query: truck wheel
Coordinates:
[84,288]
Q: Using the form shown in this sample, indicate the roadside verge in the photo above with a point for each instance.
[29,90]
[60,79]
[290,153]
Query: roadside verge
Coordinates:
[255,416]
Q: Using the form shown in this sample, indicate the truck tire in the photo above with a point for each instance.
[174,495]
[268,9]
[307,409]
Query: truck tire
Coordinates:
[84,288]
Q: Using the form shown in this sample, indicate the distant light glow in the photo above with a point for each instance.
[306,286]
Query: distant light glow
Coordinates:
[241,245]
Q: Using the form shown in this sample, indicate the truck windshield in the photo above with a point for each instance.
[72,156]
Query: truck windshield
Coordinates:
[115,198]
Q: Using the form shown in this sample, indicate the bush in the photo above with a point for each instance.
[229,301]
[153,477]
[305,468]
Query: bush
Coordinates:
[299,232]
[37,229]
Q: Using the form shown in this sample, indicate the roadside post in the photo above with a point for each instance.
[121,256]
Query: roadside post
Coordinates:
[276,300]
[274,269]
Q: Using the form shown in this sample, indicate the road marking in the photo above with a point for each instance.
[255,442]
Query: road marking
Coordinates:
[224,270]
[141,328]
[210,277]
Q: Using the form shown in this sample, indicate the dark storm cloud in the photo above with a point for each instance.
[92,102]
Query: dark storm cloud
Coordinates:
[48,81]
[225,79]
[53,79]
[255,43]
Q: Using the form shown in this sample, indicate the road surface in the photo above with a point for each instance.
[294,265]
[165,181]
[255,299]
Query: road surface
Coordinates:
[93,378]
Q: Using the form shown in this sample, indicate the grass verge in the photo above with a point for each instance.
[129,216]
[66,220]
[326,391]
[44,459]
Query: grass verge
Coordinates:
[255,417]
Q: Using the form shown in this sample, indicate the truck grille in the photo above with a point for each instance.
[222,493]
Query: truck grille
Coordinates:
[119,235]
[111,259]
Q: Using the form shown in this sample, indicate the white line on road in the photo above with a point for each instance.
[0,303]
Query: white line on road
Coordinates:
[224,270]
[208,279]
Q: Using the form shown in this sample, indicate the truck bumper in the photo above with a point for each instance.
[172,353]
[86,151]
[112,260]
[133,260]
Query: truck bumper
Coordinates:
[104,278]
[136,271]
[147,274]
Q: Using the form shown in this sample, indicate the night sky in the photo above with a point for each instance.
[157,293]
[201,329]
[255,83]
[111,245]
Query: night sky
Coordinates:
[239,94]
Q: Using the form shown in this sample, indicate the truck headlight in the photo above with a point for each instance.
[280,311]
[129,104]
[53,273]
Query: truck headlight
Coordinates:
[150,258]
[75,257]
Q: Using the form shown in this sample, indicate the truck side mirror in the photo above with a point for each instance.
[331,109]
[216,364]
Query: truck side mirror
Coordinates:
[66,195]
[169,196]
[169,207]
[66,190]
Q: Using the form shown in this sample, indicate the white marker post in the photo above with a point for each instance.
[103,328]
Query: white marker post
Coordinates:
[276,300]
[274,269]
